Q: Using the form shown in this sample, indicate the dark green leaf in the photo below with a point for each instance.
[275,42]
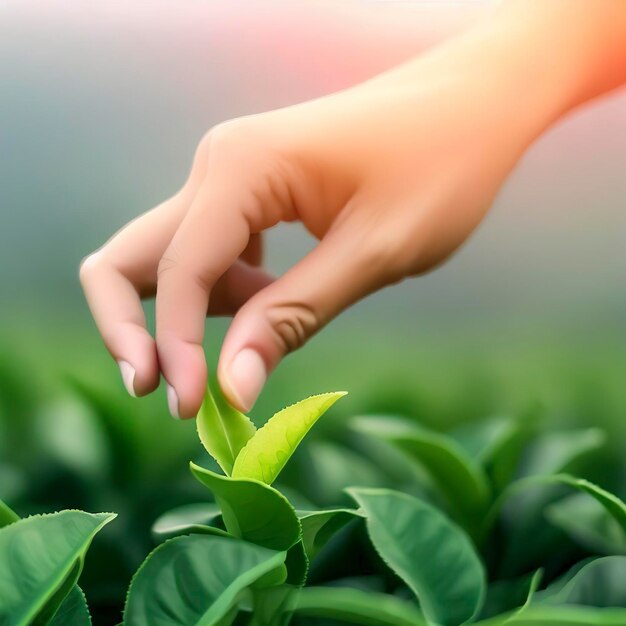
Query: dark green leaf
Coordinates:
[38,555]
[433,556]
[459,478]
[599,583]
[73,611]
[503,596]
[195,580]
[252,510]
[7,515]
[318,527]
[561,616]
[553,453]
[589,523]
[187,519]
[365,608]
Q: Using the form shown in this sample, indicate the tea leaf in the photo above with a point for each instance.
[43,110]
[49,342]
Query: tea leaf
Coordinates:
[222,429]
[553,453]
[252,510]
[267,452]
[535,581]
[40,557]
[610,502]
[318,527]
[438,562]
[598,583]
[461,480]
[497,444]
[7,515]
[195,580]
[509,595]
[561,616]
[297,563]
[73,611]
[587,522]
[365,608]
[187,519]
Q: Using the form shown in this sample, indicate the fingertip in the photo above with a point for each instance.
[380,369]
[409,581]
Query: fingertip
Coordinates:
[135,353]
[243,379]
[184,368]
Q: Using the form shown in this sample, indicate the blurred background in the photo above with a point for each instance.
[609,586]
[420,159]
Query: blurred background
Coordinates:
[101,107]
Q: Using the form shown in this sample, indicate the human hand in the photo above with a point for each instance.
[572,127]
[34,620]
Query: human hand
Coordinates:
[391,176]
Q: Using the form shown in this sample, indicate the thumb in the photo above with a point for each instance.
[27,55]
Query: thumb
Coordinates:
[279,319]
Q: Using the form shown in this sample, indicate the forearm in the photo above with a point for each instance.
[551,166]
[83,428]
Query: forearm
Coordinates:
[579,45]
[520,70]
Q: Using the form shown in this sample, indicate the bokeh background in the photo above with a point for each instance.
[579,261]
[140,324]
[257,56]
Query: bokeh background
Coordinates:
[101,106]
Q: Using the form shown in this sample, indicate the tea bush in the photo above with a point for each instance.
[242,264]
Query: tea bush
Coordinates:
[487,523]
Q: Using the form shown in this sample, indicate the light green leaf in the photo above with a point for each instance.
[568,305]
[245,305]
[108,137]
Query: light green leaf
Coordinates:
[458,477]
[365,608]
[588,522]
[39,556]
[318,527]
[73,611]
[252,510]
[267,452]
[195,580]
[223,430]
[7,515]
[187,519]
[432,555]
[599,583]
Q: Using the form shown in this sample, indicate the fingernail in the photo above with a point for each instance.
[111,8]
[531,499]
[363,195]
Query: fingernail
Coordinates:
[246,377]
[128,376]
[172,402]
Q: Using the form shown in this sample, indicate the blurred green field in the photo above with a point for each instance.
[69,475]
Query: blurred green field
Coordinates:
[71,438]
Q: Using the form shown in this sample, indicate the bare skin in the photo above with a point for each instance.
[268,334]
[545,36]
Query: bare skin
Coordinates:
[391,176]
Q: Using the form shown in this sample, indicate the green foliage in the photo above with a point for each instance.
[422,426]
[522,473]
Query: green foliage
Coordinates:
[40,562]
[252,510]
[459,478]
[267,452]
[7,515]
[355,606]
[597,583]
[318,527]
[223,430]
[450,593]
[588,522]
[73,611]
[476,524]
[195,580]
[205,518]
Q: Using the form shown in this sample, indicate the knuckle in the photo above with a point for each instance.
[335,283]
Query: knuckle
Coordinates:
[292,324]
[174,267]
[228,136]
[90,266]
[170,261]
[385,255]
